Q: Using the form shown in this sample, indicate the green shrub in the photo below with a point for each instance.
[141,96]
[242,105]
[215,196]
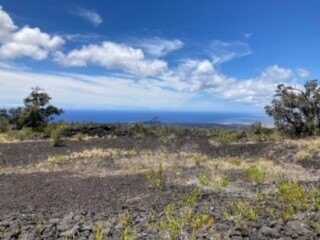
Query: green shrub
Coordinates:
[57,136]
[256,174]
[244,210]
[157,177]
[4,125]
[293,194]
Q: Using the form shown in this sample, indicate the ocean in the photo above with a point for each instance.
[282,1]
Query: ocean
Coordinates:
[85,116]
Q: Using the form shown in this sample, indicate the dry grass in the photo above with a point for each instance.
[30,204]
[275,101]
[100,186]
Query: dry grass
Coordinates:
[183,168]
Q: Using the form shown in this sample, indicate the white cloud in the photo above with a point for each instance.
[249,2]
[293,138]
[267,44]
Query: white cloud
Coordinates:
[303,73]
[159,47]
[25,42]
[260,89]
[92,16]
[221,52]
[194,76]
[113,56]
[73,91]
[198,76]
[6,25]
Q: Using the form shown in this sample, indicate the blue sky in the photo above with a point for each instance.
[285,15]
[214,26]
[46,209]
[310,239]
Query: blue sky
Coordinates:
[157,55]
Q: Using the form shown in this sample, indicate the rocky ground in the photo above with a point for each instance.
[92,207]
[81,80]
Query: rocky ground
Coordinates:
[126,188]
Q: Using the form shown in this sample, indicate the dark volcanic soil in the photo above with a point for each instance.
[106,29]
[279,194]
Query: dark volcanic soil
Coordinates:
[69,205]
[64,192]
[15,154]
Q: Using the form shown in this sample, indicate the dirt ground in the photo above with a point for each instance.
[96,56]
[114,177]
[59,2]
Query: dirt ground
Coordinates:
[106,177]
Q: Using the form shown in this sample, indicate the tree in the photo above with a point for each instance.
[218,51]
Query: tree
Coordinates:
[296,111]
[37,111]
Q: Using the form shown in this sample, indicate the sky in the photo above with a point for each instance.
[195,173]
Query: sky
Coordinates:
[168,55]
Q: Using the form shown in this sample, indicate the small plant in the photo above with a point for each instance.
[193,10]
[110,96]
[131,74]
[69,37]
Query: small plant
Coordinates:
[56,136]
[180,216]
[236,162]
[4,125]
[157,178]
[219,183]
[256,174]
[129,232]
[225,137]
[57,160]
[204,180]
[99,233]
[172,223]
[201,221]
[304,155]
[293,195]
[243,210]
[192,199]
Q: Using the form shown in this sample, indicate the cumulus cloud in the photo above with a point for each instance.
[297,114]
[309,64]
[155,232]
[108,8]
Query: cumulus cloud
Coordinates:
[6,25]
[159,47]
[196,76]
[260,89]
[90,15]
[113,56]
[221,51]
[25,42]
[143,79]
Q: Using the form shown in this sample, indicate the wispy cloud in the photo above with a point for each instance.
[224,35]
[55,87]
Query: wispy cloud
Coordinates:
[159,47]
[221,51]
[303,73]
[90,15]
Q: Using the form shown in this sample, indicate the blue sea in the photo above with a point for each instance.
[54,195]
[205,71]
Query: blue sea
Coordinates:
[85,116]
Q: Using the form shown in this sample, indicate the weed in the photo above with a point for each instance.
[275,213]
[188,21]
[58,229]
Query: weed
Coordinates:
[293,198]
[180,216]
[57,160]
[4,125]
[256,174]
[236,162]
[157,178]
[219,183]
[201,221]
[172,223]
[242,210]
[293,195]
[129,232]
[192,199]
[204,180]
[99,233]
[56,136]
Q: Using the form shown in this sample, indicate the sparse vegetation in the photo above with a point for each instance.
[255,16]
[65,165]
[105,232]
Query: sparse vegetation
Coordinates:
[256,174]
[57,135]
[157,177]
[243,210]
[239,175]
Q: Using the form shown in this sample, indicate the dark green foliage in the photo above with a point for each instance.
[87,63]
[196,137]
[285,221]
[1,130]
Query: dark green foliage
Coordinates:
[37,111]
[296,112]
[4,124]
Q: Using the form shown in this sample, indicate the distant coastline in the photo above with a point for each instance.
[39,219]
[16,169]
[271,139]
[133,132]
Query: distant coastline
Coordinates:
[181,118]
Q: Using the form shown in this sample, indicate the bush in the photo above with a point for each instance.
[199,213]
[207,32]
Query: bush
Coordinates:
[4,125]
[57,136]
[295,111]
[256,174]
